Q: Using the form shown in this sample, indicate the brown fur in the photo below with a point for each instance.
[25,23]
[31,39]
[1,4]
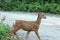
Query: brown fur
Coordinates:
[27,26]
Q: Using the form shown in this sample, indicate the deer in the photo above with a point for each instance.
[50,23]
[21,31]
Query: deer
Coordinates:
[28,25]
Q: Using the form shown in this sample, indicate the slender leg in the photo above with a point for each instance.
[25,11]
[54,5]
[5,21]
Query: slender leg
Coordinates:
[37,34]
[27,35]
[12,32]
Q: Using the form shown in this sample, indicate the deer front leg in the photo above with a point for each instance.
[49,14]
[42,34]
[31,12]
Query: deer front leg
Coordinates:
[37,34]
[27,35]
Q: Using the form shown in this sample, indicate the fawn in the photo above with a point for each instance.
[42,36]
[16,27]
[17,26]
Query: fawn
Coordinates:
[27,26]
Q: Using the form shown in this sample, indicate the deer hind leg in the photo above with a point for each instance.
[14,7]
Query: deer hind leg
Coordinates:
[37,34]
[27,35]
[13,32]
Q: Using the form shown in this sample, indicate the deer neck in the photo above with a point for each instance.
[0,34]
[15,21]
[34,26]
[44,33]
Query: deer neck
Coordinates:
[38,20]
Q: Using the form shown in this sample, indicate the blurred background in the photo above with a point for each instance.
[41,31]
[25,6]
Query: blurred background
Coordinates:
[11,10]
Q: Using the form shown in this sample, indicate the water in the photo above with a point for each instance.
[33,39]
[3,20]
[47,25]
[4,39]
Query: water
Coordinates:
[48,30]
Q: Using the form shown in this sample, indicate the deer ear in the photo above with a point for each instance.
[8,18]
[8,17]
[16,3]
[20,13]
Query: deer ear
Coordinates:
[41,13]
[37,10]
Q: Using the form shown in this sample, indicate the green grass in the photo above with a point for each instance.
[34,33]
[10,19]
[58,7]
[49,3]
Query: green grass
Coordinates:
[4,30]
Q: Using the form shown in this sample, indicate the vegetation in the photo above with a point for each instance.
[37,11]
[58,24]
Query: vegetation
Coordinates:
[52,6]
[4,30]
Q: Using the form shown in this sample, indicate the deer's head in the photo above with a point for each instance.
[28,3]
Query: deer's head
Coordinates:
[40,15]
